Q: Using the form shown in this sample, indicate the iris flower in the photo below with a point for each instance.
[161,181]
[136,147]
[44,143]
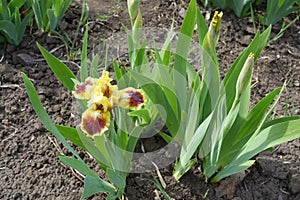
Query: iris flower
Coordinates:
[101,96]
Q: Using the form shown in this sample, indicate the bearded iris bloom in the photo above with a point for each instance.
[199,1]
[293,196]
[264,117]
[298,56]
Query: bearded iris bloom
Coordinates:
[129,98]
[101,97]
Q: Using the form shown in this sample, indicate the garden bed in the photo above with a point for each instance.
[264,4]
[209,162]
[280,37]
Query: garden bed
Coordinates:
[29,166]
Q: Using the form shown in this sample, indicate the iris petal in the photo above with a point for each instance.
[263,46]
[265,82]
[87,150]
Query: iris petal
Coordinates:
[94,122]
[83,90]
[129,98]
[103,85]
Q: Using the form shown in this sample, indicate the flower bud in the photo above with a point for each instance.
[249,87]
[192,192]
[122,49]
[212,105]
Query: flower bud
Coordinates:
[245,75]
[214,27]
[216,21]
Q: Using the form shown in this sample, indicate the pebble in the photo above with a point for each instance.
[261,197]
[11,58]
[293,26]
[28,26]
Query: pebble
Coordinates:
[25,59]
[182,12]
[250,29]
[245,40]
[56,108]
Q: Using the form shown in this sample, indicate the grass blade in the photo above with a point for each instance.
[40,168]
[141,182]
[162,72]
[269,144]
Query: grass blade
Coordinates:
[61,71]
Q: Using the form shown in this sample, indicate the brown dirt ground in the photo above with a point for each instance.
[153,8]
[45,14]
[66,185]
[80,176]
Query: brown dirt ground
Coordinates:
[29,166]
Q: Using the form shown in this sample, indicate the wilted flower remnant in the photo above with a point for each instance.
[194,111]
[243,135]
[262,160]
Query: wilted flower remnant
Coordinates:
[102,96]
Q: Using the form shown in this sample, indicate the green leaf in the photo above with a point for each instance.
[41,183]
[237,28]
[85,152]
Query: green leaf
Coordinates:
[180,169]
[52,20]
[232,170]
[182,50]
[15,4]
[143,113]
[94,185]
[166,137]
[284,130]
[164,53]
[5,11]
[156,94]
[83,64]
[9,30]
[237,136]
[119,72]
[117,178]
[269,137]
[38,14]
[42,114]
[161,189]
[77,165]
[61,9]
[92,148]
[188,149]
[241,7]
[71,134]
[201,26]
[22,27]
[279,120]
[133,9]
[61,71]
[277,9]
[100,144]
[94,66]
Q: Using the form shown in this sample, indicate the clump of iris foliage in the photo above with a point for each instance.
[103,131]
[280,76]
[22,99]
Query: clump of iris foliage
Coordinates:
[208,117]
[275,9]
[16,15]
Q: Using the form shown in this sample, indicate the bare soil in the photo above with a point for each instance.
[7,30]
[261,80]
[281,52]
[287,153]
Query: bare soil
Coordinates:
[29,166]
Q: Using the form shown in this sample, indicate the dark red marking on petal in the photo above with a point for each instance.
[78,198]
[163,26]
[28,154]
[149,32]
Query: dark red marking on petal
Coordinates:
[93,126]
[136,98]
[101,123]
[106,91]
[81,88]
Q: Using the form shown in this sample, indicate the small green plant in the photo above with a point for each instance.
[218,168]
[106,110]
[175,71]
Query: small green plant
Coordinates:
[12,24]
[70,43]
[277,9]
[48,13]
[240,8]
[109,139]
[208,117]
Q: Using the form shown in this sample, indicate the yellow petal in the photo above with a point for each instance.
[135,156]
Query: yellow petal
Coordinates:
[84,90]
[129,98]
[102,104]
[94,122]
[103,85]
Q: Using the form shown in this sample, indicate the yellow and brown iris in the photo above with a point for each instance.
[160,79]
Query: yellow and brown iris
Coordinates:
[102,96]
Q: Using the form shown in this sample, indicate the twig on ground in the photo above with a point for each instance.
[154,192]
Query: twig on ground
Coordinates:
[2,58]
[10,86]
[74,172]
[162,181]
